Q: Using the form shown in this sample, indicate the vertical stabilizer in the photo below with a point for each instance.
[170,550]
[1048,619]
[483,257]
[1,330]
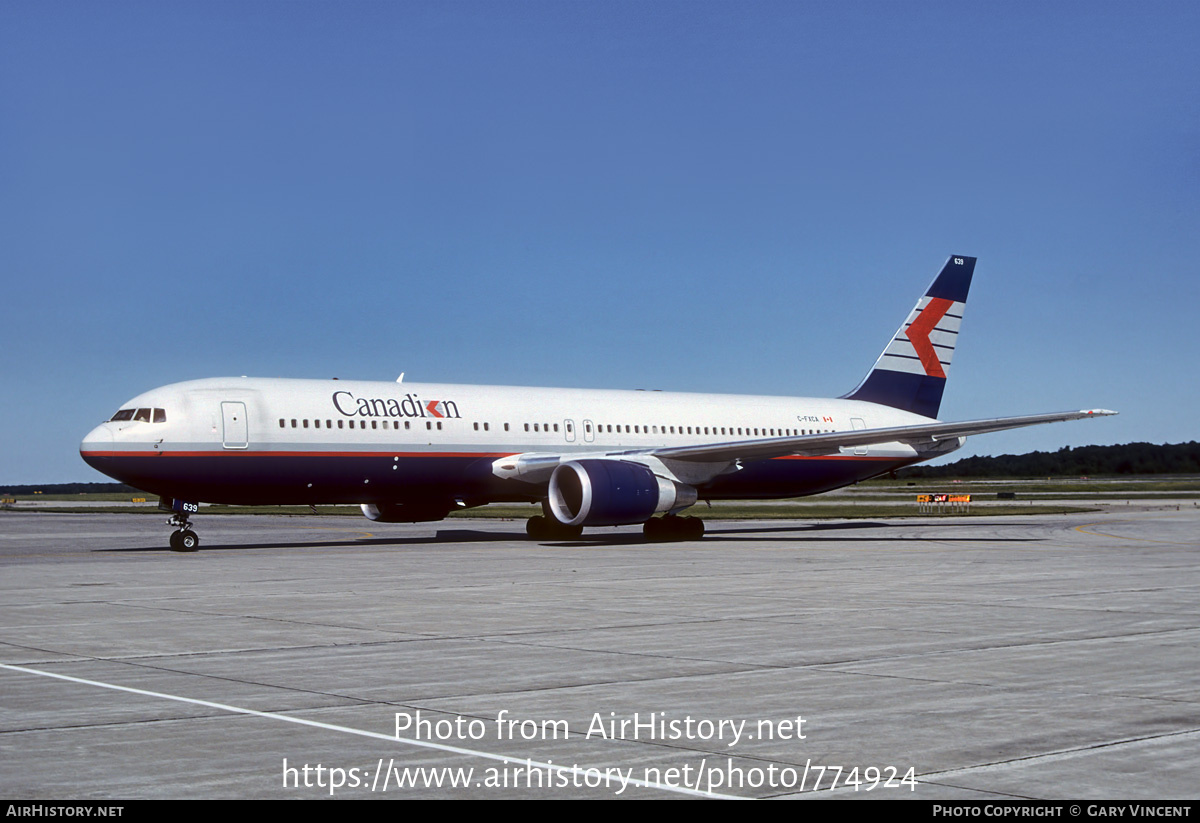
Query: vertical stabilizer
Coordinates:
[911,373]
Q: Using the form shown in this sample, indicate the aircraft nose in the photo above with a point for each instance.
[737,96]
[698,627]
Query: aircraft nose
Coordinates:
[98,438]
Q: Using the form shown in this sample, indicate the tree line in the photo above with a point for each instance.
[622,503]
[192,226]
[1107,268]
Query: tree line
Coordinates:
[70,488]
[1127,459]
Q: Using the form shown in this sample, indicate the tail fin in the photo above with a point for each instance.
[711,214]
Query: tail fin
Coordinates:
[911,373]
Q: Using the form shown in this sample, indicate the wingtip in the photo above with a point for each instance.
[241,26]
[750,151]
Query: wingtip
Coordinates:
[1098,412]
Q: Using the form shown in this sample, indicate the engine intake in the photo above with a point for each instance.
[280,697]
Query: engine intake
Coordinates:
[612,493]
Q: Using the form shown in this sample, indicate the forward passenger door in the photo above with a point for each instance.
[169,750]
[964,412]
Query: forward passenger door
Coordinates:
[235,428]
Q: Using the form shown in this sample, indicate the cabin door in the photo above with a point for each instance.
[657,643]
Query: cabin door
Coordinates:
[235,430]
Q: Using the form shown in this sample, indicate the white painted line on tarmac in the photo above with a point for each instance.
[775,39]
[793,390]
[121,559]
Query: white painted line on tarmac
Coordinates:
[428,744]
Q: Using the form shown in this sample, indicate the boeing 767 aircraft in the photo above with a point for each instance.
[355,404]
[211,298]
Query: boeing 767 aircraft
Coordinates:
[415,452]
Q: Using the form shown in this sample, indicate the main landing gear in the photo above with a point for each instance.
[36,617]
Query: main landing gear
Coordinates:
[540,527]
[673,527]
[669,528]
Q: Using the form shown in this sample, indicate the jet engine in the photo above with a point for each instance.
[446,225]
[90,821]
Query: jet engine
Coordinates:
[612,493]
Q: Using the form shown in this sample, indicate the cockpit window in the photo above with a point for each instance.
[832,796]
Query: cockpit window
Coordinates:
[140,415]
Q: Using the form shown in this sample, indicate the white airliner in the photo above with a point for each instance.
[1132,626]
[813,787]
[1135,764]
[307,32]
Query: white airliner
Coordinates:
[408,453]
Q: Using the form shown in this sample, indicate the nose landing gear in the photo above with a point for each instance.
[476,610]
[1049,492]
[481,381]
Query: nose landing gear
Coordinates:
[183,539]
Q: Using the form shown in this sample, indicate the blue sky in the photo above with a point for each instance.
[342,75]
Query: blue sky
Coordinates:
[701,196]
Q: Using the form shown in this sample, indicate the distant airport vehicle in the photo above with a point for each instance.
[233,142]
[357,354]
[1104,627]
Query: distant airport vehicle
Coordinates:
[412,453]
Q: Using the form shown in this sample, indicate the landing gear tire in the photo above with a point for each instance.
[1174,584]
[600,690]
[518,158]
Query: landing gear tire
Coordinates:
[656,530]
[536,527]
[672,527]
[540,527]
[561,532]
[185,540]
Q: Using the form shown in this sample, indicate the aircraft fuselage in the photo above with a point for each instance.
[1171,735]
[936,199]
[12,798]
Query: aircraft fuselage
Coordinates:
[275,441]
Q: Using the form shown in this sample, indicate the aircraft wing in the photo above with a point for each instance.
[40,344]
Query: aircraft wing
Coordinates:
[818,444]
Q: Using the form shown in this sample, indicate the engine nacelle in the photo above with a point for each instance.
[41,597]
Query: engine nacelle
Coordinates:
[612,493]
[405,512]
